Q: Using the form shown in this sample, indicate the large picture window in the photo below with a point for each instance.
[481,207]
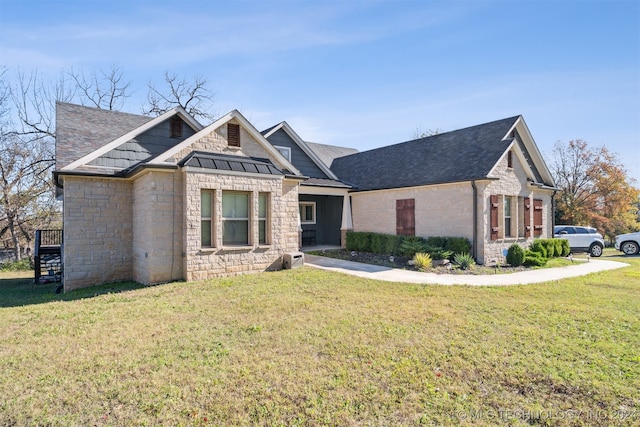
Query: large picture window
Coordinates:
[235,218]
[308,212]
[206,218]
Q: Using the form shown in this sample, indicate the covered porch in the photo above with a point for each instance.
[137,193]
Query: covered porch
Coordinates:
[325,213]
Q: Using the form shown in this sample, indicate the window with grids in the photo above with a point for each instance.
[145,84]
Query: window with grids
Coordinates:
[235,218]
[206,218]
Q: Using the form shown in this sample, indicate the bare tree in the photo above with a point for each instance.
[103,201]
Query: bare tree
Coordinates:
[193,96]
[26,194]
[418,133]
[104,89]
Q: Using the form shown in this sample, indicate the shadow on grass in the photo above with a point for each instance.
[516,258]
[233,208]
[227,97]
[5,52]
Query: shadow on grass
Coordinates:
[20,291]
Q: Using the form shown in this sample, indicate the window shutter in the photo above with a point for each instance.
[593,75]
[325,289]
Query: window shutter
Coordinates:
[405,217]
[493,200]
[233,135]
[527,217]
[537,217]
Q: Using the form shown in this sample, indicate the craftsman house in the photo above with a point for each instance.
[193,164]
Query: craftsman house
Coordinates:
[165,198]
[161,199]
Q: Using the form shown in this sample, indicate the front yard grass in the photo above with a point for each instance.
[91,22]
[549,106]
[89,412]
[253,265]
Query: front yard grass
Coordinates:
[312,347]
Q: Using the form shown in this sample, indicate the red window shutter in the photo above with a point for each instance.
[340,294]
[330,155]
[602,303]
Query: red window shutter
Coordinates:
[493,200]
[233,135]
[527,217]
[406,217]
[537,217]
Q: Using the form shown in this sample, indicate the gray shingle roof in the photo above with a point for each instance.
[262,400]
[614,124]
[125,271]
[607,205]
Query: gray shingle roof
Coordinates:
[81,130]
[460,155]
[327,153]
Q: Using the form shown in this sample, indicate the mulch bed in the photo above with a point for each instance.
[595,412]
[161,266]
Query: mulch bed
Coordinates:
[403,263]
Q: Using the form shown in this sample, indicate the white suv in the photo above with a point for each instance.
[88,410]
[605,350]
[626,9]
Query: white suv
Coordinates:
[581,239]
[628,243]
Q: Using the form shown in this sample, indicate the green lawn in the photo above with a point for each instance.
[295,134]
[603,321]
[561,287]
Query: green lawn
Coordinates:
[311,347]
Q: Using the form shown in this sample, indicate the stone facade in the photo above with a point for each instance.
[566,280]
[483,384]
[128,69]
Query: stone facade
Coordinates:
[147,227]
[509,182]
[98,231]
[219,260]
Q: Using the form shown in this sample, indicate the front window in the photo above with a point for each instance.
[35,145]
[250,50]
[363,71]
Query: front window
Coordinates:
[507,217]
[285,151]
[308,212]
[263,210]
[206,219]
[235,218]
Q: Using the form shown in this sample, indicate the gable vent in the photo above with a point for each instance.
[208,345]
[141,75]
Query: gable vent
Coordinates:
[233,135]
[176,127]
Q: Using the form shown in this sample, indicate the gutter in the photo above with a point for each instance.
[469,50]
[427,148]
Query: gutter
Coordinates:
[474,244]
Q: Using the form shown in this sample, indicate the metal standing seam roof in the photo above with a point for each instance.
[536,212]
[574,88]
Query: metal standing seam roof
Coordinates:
[231,163]
[461,155]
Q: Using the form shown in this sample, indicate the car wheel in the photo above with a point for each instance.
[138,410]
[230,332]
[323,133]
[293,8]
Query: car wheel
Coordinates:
[629,248]
[595,250]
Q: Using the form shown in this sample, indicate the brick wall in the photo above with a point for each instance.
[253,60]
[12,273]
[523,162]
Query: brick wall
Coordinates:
[440,210]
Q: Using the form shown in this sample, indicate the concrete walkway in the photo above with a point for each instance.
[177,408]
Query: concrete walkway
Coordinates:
[580,268]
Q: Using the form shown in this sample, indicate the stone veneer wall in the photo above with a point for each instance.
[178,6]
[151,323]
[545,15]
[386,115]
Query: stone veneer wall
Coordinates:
[440,210]
[97,231]
[203,263]
[511,182]
[157,227]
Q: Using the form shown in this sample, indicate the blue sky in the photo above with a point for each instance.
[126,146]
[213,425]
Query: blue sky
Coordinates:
[363,73]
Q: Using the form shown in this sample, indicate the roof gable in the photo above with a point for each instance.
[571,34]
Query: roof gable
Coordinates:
[81,130]
[461,155]
[236,117]
[115,123]
[315,169]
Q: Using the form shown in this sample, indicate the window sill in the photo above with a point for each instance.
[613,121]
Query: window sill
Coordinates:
[236,248]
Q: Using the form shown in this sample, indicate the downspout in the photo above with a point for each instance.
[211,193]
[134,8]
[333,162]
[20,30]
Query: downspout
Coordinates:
[553,212]
[474,244]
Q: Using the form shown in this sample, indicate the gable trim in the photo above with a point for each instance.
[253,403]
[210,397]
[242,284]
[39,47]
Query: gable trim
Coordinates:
[303,146]
[235,114]
[532,148]
[132,134]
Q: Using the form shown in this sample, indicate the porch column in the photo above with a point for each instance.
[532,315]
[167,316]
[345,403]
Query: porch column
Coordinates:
[347,221]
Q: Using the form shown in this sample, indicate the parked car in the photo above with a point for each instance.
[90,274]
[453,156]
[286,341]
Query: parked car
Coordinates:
[581,239]
[628,243]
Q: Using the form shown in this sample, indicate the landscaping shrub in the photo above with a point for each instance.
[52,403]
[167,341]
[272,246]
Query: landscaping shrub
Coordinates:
[24,264]
[464,261]
[422,260]
[566,249]
[437,252]
[550,246]
[358,241]
[458,245]
[410,245]
[437,242]
[534,259]
[538,247]
[376,243]
[559,248]
[515,255]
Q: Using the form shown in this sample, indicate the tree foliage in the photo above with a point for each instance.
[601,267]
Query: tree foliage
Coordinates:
[595,189]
